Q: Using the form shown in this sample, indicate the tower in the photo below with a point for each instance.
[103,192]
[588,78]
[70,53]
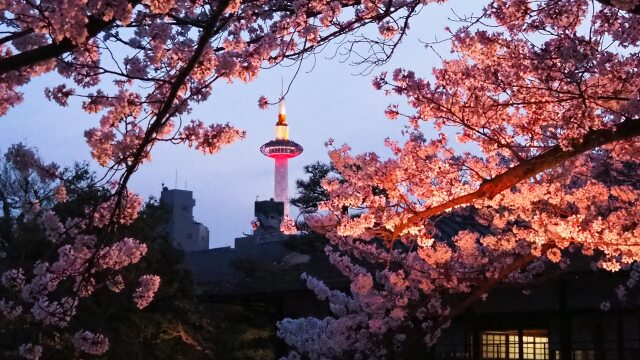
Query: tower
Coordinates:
[281,150]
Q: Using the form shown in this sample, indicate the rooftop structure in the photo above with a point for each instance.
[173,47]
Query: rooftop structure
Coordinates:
[268,216]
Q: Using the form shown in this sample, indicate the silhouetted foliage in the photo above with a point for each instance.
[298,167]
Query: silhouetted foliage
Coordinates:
[174,326]
[310,191]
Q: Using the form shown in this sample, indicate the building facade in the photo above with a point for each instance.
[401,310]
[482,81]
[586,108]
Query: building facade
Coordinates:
[185,233]
[559,316]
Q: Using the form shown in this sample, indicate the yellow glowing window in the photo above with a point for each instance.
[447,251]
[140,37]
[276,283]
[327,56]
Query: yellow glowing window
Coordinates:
[505,345]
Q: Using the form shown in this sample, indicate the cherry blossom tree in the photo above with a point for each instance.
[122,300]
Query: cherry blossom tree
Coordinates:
[158,60]
[129,311]
[50,263]
[541,100]
[534,109]
[164,57]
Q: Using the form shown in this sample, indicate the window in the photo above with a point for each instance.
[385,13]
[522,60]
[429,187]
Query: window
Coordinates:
[505,345]
[535,345]
[583,355]
[500,345]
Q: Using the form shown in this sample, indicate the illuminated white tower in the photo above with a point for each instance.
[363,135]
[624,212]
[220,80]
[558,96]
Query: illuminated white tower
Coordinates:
[281,150]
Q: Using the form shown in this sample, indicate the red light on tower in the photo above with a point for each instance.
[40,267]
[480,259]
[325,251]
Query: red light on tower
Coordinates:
[281,150]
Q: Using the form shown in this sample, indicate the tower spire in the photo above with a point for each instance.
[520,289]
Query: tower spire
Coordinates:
[282,129]
[282,113]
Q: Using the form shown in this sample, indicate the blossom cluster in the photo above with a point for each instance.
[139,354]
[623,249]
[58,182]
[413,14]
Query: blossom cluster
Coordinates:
[552,121]
[94,344]
[165,67]
[144,294]
[49,291]
[288,226]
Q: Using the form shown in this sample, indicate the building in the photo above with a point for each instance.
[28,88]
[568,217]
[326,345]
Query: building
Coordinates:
[270,213]
[557,317]
[185,233]
[263,264]
[265,248]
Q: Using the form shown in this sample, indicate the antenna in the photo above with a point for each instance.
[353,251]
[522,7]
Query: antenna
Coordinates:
[281,88]
[176,183]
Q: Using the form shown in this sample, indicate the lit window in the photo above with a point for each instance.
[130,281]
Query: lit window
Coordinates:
[535,345]
[505,345]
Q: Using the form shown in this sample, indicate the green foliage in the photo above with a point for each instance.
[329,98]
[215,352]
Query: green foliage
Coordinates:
[310,191]
[246,331]
[176,325]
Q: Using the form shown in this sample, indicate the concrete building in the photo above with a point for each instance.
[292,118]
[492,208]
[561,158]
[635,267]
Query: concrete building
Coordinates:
[186,233]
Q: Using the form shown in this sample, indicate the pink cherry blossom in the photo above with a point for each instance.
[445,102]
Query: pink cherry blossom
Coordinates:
[30,351]
[144,294]
[529,130]
[209,140]
[534,182]
[288,226]
[90,343]
[263,102]
[122,253]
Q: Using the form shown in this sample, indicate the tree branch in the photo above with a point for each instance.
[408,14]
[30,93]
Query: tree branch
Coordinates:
[162,114]
[16,35]
[625,130]
[94,26]
[517,264]
[622,5]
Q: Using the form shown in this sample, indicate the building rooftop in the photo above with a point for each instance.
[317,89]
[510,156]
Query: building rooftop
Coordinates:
[261,269]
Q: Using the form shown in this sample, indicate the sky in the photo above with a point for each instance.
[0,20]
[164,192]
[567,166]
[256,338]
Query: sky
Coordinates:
[327,100]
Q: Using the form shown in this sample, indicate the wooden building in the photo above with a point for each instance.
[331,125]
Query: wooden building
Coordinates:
[560,316]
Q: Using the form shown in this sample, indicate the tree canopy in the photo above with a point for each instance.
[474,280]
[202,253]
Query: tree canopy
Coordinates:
[543,94]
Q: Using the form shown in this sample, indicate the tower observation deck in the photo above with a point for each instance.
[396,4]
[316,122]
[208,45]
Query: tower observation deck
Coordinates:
[281,150]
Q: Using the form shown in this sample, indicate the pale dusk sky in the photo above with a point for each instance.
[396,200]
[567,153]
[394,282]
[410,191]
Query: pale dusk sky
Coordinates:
[326,100]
